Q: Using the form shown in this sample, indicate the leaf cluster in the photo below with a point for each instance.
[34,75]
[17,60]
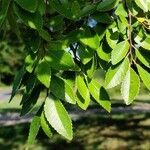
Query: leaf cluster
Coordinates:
[67,42]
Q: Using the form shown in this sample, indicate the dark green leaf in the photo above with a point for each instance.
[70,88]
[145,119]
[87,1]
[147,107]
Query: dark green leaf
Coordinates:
[33,20]
[30,100]
[29,5]
[3,11]
[62,90]
[107,5]
[85,54]
[17,82]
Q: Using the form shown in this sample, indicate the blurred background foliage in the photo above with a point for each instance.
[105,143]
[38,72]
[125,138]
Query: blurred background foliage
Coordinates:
[11,55]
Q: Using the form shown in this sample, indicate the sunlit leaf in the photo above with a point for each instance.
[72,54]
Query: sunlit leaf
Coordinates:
[44,73]
[130,86]
[116,74]
[100,94]
[119,52]
[34,129]
[145,76]
[58,117]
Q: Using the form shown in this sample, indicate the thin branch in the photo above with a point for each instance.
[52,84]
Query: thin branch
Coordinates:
[130,33]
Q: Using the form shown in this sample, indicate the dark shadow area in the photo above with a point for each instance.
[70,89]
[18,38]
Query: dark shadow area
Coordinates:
[95,131]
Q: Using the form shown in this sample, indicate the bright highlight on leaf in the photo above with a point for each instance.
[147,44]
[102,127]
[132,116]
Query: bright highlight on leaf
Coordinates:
[58,117]
[116,74]
[44,73]
[119,52]
[130,86]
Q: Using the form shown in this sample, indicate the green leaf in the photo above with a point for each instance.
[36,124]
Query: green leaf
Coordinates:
[29,100]
[60,60]
[143,4]
[119,52]
[91,67]
[104,52]
[112,37]
[62,7]
[29,5]
[30,85]
[121,10]
[100,94]
[13,22]
[17,82]
[30,63]
[107,5]
[83,95]
[34,129]
[87,10]
[44,73]
[130,86]
[3,12]
[145,76]
[143,40]
[89,39]
[62,90]
[146,43]
[41,7]
[58,117]
[33,20]
[143,56]
[75,9]
[122,24]
[116,74]
[102,17]
[85,54]
[33,43]
[45,35]
[45,126]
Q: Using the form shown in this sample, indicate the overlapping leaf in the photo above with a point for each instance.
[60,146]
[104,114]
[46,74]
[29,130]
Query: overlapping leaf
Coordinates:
[145,76]
[119,52]
[28,5]
[115,74]
[44,73]
[107,5]
[100,94]
[83,95]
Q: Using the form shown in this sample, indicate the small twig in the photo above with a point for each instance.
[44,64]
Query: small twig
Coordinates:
[129,33]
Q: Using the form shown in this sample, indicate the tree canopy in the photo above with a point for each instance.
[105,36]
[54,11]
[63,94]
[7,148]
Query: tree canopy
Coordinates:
[66,42]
